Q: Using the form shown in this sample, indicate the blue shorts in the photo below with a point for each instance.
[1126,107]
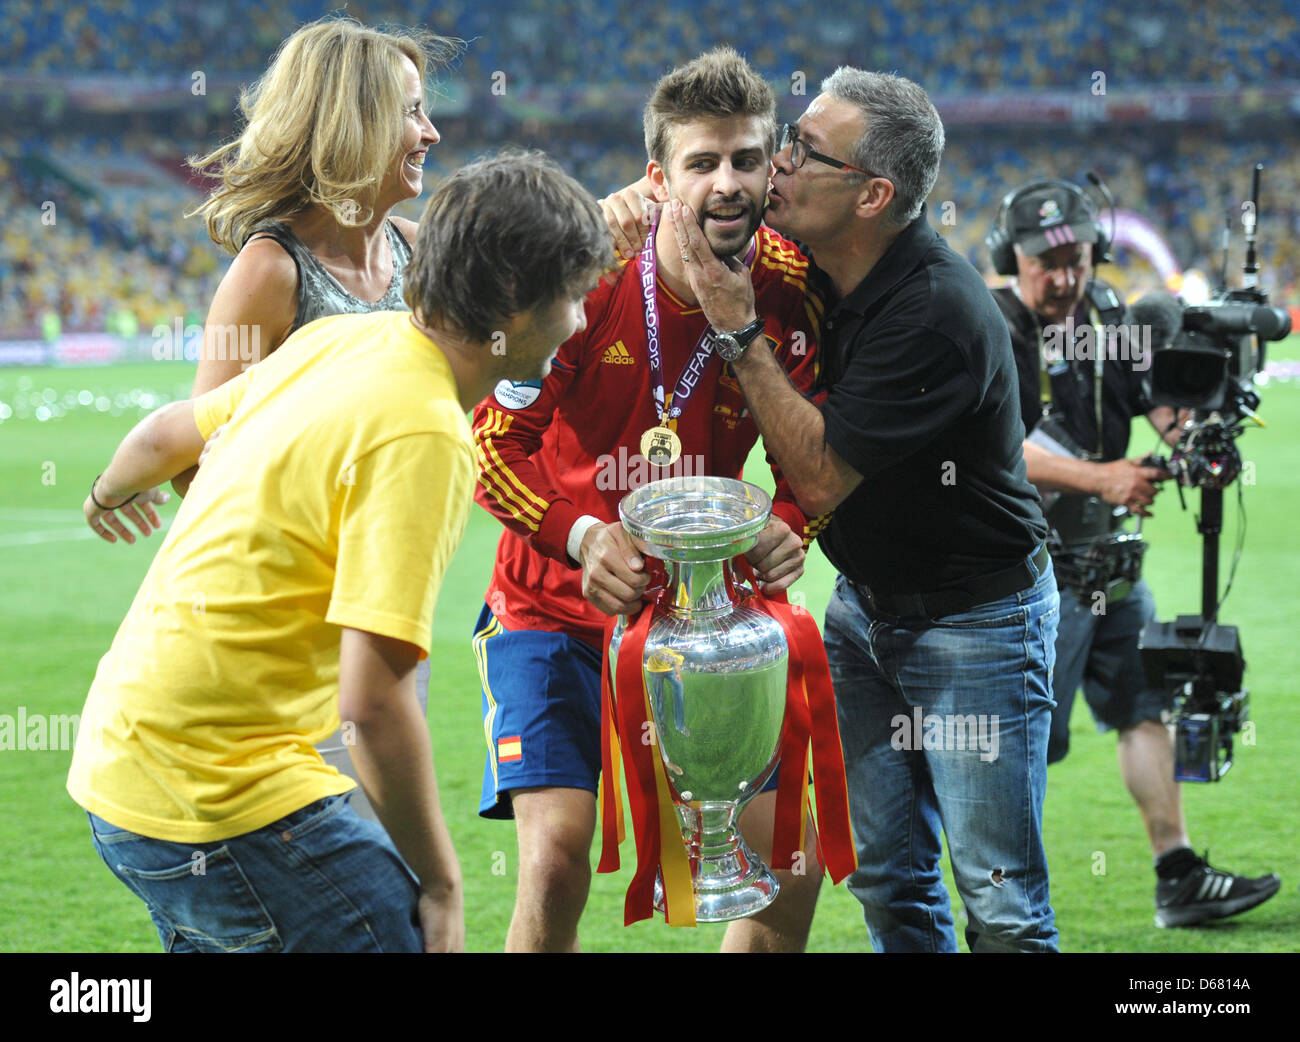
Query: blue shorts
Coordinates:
[541,712]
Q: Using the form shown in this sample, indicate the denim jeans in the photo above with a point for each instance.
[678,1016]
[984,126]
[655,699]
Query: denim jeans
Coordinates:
[1099,649]
[944,724]
[321,879]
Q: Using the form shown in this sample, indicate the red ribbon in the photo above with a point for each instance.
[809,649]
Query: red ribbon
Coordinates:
[810,715]
[642,796]
[610,798]
[611,754]
[624,728]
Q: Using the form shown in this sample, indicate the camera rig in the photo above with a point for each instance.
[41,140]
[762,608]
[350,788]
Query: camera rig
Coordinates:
[1208,365]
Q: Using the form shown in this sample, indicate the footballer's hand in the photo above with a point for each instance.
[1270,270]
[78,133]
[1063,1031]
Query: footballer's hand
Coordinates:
[629,213]
[777,558]
[1126,483]
[613,571]
[442,918]
[139,512]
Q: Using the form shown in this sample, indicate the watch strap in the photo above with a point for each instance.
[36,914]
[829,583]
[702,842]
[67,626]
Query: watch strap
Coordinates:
[746,335]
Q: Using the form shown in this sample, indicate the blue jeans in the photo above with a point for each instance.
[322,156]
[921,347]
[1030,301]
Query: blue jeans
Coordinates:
[321,879]
[1099,649]
[944,724]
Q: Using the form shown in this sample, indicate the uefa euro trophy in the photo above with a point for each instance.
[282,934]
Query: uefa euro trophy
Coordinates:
[715,670]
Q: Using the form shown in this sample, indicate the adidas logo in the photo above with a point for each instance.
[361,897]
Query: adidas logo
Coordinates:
[617,354]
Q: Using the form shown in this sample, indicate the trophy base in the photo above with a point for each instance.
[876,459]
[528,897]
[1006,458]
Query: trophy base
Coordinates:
[721,896]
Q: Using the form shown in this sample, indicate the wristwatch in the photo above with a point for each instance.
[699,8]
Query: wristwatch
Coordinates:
[731,346]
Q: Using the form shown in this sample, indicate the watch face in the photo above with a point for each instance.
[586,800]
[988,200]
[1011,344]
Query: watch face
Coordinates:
[727,346]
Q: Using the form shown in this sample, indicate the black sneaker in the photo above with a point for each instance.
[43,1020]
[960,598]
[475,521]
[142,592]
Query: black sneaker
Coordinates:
[1203,893]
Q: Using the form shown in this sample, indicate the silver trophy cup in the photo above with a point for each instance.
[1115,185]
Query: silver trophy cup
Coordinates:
[715,670]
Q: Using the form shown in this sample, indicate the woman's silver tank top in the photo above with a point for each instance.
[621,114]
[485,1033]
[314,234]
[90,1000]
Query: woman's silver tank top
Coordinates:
[319,292]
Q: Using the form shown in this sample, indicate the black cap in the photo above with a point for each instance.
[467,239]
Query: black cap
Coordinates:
[1050,216]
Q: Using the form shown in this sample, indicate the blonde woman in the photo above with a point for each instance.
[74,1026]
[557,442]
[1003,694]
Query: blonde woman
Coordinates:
[336,136]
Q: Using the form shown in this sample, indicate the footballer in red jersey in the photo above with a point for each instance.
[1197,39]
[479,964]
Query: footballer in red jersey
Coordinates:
[642,393]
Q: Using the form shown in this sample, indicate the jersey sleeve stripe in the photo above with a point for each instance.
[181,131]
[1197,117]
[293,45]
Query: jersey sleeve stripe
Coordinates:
[531,520]
[498,479]
[499,423]
[779,265]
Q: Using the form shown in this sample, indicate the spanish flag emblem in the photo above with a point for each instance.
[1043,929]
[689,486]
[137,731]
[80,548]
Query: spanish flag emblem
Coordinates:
[509,750]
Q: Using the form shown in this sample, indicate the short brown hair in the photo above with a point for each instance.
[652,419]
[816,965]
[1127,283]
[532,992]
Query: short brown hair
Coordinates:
[501,236]
[718,84]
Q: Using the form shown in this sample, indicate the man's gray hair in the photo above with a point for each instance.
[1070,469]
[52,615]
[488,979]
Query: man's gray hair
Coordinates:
[904,136]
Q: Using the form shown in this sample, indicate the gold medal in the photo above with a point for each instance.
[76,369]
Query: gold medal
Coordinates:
[660,446]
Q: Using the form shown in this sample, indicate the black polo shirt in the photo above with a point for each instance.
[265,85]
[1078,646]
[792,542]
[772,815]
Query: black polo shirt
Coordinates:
[923,403]
[1074,379]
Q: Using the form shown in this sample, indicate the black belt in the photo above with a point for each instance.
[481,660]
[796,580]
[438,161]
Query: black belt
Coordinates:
[956,599]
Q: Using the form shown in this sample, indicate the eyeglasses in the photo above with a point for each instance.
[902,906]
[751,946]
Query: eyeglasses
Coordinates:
[800,152]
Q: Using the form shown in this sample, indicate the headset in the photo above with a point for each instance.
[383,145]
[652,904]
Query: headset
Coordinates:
[1002,248]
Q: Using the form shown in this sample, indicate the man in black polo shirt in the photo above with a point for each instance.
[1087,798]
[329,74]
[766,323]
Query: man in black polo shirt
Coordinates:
[941,629]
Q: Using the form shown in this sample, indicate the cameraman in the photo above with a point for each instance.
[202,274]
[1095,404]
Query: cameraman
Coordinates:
[1047,235]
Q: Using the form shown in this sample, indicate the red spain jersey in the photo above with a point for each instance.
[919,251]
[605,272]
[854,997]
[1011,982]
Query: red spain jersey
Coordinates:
[553,450]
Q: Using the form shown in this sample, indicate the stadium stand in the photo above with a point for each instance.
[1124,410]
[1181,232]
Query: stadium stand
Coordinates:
[125,257]
[950,46]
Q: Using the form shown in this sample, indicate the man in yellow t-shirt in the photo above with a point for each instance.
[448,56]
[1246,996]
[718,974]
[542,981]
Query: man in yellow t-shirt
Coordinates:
[296,588]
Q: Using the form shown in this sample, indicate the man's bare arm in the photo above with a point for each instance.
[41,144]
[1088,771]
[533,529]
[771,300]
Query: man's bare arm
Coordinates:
[394,762]
[794,432]
[1121,482]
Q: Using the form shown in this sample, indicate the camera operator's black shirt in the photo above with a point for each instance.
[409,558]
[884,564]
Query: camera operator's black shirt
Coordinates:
[1074,380]
[922,402]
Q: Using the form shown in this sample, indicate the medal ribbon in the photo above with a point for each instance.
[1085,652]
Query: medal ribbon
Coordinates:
[668,410]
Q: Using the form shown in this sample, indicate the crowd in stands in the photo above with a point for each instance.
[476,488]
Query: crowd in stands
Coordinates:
[107,256]
[77,253]
[948,46]
[77,259]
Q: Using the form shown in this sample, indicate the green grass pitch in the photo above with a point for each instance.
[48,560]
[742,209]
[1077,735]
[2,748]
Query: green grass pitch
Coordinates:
[64,593]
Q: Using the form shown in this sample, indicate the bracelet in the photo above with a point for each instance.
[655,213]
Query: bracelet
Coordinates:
[101,505]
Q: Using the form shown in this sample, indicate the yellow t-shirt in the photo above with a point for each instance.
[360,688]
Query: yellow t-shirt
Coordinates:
[335,497]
